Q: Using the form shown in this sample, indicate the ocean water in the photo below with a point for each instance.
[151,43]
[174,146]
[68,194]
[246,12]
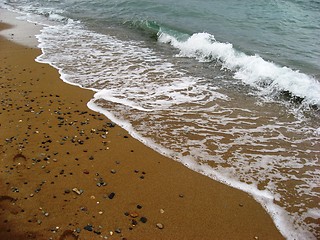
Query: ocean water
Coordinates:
[228,88]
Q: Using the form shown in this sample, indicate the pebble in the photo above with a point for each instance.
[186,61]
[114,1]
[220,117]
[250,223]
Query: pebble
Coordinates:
[118,230]
[88,228]
[134,222]
[111,195]
[161,210]
[160,225]
[143,219]
[77,191]
[134,214]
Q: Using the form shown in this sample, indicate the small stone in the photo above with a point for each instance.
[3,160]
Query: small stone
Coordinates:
[67,191]
[181,195]
[91,158]
[113,171]
[161,210]
[118,230]
[139,206]
[77,191]
[134,222]
[160,225]
[85,171]
[134,214]
[88,228]
[143,219]
[78,230]
[111,195]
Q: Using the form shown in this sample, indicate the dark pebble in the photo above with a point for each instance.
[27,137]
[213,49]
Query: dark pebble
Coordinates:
[143,219]
[139,206]
[88,228]
[67,191]
[134,222]
[111,195]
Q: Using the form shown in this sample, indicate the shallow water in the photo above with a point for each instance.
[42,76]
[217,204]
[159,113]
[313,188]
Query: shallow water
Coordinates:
[229,90]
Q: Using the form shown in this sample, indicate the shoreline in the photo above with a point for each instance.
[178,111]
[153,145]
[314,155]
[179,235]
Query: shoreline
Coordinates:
[68,172]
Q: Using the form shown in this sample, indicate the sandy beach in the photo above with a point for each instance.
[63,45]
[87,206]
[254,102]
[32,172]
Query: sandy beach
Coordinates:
[69,173]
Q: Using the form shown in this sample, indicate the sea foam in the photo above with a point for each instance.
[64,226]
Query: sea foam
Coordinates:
[252,70]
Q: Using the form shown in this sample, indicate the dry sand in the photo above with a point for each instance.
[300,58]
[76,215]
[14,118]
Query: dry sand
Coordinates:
[69,173]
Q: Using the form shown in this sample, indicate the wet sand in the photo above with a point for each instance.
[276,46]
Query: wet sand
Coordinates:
[69,173]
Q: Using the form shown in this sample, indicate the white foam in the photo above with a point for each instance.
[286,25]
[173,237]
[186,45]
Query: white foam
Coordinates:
[253,70]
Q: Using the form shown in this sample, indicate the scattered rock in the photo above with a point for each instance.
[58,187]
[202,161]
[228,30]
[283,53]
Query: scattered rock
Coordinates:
[143,219]
[134,214]
[160,225]
[77,191]
[134,222]
[89,228]
[111,195]
[118,230]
